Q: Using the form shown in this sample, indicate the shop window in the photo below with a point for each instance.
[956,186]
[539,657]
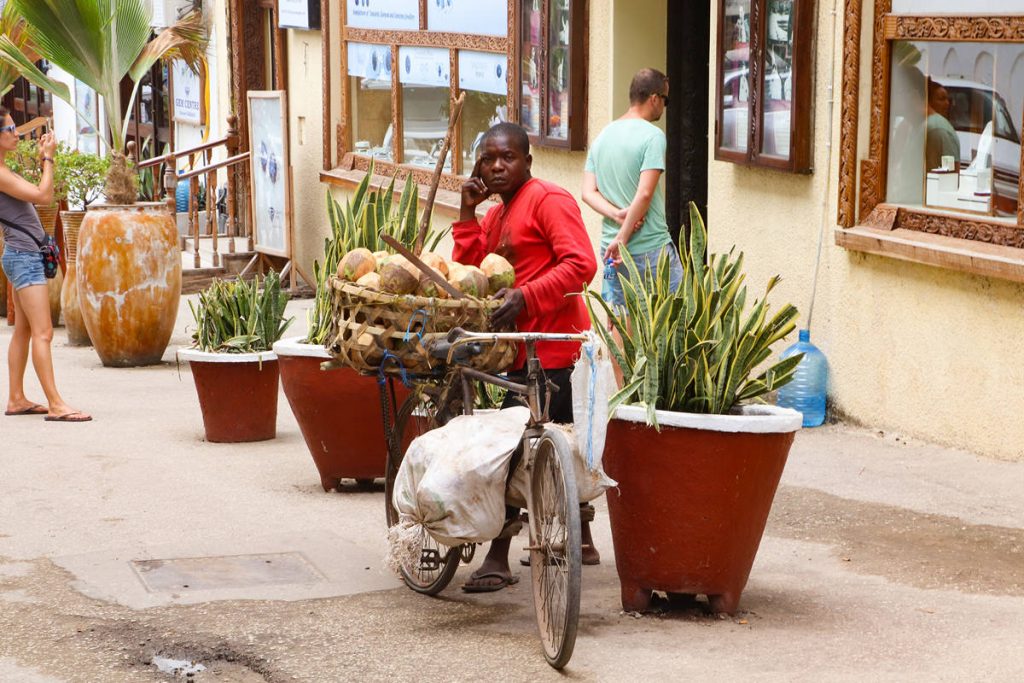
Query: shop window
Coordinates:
[955,116]
[764,73]
[406,66]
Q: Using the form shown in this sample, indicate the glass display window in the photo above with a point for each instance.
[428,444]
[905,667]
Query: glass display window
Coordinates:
[425,77]
[369,74]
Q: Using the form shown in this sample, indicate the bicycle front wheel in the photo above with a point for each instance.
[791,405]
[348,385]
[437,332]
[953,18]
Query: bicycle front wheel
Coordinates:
[437,563]
[555,555]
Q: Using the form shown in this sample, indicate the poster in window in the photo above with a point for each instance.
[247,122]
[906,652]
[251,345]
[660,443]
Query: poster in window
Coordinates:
[483,72]
[300,14]
[483,17]
[270,172]
[425,66]
[187,89]
[393,15]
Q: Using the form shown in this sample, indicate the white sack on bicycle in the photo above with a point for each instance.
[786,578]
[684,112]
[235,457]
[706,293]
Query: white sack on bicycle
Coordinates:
[452,479]
[593,383]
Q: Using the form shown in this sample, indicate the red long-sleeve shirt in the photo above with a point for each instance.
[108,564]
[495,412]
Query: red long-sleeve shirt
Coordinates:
[542,235]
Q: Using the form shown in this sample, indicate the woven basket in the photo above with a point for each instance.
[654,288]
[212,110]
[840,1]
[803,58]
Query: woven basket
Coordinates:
[370,326]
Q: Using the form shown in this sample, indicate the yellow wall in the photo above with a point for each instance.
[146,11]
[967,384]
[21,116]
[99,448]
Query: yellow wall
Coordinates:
[924,351]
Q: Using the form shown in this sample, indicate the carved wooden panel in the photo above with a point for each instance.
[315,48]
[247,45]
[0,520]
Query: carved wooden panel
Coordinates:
[870,194]
[428,39]
[849,114]
[954,226]
[872,186]
[421,176]
[977,29]
[882,217]
[328,80]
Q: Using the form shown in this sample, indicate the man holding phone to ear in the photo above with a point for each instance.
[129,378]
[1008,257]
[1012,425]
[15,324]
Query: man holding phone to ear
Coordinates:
[538,228]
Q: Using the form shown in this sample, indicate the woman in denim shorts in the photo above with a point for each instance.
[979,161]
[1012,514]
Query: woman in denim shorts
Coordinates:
[23,265]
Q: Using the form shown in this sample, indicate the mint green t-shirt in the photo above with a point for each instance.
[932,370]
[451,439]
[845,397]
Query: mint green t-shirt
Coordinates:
[622,151]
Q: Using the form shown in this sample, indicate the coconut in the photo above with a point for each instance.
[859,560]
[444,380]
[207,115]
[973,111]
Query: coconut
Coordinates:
[371,280]
[381,257]
[430,288]
[356,264]
[398,276]
[435,261]
[469,280]
[500,273]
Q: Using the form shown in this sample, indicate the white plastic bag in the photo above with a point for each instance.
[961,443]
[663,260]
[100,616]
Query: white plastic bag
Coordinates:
[452,480]
[593,383]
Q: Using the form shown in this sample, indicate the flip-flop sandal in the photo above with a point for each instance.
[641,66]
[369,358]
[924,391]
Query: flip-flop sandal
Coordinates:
[76,416]
[31,410]
[506,581]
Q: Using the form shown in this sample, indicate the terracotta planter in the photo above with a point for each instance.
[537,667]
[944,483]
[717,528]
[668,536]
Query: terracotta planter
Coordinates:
[48,219]
[338,412]
[129,281]
[237,394]
[692,501]
[73,322]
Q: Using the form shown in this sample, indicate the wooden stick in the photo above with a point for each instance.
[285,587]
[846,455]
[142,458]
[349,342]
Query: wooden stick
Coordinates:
[438,169]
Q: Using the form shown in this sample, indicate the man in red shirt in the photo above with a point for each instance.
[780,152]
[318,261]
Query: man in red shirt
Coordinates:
[538,228]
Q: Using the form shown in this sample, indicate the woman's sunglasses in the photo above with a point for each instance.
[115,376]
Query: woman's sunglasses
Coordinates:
[8,129]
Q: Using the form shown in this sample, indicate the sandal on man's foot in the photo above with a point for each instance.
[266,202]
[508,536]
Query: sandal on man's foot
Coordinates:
[504,580]
[595,559]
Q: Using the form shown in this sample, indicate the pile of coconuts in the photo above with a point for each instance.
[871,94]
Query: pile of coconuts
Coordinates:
[395,274]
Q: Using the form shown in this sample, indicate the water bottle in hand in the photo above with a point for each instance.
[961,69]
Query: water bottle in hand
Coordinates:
[609,269]
[806,392]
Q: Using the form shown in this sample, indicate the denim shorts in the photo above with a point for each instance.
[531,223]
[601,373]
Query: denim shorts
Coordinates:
[647,262]
[23,268]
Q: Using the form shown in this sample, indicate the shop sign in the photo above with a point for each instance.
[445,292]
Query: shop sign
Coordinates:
[395,15]
[301,14]
[483,72]
[427,66]
[187,91]
[372,62]
[485,17]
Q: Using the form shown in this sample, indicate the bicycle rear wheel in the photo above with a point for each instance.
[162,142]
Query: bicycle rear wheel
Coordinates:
[555,555]
[437,563]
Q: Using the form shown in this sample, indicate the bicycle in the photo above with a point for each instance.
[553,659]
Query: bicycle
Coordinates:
[553,511]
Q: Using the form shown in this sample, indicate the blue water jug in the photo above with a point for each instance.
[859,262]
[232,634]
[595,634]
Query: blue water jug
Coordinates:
[806,392]
[181,196]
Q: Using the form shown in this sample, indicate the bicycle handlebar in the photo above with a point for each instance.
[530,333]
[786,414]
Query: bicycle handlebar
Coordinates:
[458,337]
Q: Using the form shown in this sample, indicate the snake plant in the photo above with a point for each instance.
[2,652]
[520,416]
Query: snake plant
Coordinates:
[240,316]
[694,348]
[360,222]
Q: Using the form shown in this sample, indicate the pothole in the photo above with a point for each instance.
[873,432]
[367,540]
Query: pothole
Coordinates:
[182,668]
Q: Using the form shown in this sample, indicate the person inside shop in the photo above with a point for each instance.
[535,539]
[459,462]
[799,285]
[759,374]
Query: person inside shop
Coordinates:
[621,182]
[23,265]
[539,229]
[942,139]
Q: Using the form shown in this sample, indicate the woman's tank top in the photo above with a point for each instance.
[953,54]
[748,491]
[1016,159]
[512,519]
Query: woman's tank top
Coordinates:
[23,214]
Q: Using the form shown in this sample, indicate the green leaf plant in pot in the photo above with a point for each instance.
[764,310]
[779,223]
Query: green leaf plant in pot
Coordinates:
[697,457]
[339,411]
[129,262]
[80,179]
[233,365]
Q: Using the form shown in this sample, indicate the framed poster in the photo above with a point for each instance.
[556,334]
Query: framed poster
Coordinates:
[88,120]
[301,14]
[391,15]
[270,172]
[187,93]
[482,17]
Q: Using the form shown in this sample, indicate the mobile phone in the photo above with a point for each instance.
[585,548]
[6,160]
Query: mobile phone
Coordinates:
[49,124]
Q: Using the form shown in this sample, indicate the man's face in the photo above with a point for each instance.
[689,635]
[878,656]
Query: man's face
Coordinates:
[940,101]
[503,166]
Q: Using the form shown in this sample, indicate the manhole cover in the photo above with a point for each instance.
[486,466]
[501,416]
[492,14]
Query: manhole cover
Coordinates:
[234,571]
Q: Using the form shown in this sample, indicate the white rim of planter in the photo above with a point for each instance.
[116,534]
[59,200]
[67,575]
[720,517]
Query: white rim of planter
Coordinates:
[293,346]
[195,355]
[752,419]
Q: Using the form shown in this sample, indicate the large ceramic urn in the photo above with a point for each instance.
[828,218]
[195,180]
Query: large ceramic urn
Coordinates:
[48,219]
[129,281]
[73,322]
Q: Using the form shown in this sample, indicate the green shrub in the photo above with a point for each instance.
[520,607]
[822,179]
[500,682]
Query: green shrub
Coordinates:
[240,316]
[694,348]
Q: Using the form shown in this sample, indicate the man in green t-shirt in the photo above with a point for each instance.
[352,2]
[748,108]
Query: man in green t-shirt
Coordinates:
[622,183]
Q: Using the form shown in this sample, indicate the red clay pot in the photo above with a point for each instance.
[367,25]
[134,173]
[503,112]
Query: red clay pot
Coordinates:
[692,500]
[237,394]
[338,412]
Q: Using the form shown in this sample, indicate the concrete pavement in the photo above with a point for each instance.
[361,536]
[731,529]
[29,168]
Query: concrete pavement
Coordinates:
[884,559]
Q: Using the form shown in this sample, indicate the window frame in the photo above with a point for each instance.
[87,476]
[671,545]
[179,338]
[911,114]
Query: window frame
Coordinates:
[870,208]
[801,123]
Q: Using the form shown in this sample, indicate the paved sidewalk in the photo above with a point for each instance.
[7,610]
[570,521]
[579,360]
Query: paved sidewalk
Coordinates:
[884,559]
